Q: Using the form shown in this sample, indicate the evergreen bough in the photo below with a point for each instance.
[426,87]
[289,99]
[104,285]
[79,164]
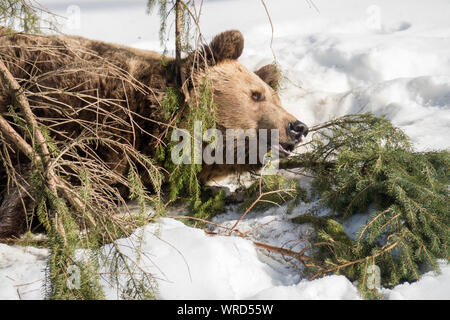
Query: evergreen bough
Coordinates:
[26,16]
[76,229]
[363,160]
[183,179]
[357,160]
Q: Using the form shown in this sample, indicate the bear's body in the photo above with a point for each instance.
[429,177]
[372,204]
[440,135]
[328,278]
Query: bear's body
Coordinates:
[93,71]
[88,64]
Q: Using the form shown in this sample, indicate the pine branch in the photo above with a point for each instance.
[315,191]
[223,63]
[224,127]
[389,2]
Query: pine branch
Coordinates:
[54,183]
[360,162]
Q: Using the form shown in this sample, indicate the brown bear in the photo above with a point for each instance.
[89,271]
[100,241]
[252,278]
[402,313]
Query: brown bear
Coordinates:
[93,70]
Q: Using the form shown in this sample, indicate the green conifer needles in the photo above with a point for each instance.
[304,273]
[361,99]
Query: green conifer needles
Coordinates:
[361,160]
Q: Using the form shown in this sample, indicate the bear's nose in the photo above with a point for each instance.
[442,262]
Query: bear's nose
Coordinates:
[297,129]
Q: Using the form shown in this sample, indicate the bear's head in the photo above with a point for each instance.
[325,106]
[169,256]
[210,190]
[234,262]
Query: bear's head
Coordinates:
[245,99]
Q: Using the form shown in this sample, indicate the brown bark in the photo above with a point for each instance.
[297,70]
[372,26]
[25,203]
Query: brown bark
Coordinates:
[38,138]
[54,183]
[298,255]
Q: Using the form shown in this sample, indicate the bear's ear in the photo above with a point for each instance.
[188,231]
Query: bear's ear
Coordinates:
[270,75]
[227,45]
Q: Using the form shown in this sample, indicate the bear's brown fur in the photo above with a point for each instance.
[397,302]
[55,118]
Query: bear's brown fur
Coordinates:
[244,99]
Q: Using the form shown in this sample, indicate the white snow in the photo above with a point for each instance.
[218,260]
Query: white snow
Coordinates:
[348,56]
[21,272]
[431,286]
[188,264]
[328,288]
[193,265]
[387,57]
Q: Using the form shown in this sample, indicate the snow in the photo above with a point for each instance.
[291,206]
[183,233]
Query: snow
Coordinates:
[178,258]
[188,264]
[431,286]
[382,56]
[388,57]
[328,288]
[21,272]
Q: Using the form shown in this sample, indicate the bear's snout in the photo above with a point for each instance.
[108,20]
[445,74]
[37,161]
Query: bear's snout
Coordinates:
[297,130]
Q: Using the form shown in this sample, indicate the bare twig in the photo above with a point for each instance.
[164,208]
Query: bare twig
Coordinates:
[271,26]
[297,255]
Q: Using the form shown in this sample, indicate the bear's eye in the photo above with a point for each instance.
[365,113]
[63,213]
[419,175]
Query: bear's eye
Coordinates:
[257,96]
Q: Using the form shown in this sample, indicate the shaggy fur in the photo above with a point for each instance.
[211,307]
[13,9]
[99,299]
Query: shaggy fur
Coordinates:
[99,70]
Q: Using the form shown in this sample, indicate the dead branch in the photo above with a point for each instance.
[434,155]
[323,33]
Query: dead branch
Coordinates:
[283,251]
[38,138]
[286,252]
[386,248]
[260,199]
[209,222]
[54,183]
[271,26]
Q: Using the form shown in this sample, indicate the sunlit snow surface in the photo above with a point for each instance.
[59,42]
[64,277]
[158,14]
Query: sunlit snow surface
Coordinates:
[390,58]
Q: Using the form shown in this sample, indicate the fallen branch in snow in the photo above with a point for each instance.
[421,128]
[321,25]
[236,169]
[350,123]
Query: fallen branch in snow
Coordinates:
[336,268]
[260,199]
[359,161]
[209,222]
[253,204]
[285,252]
[245,234]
